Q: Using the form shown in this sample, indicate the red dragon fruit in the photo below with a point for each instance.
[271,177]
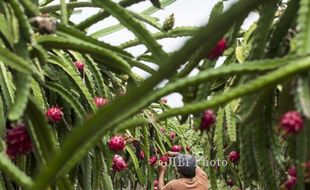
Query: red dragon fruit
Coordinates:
[176,148]
[141,155]
[79,66]
[117,143]
[291,178]
[164,158]
[172,135]
[292,171]
[18,141]
[234,156]
[100,101]
[118,163]
[290,183]
[230,182]
[153,160]
[218,50]
[54,114]
[207,120]
[292,122]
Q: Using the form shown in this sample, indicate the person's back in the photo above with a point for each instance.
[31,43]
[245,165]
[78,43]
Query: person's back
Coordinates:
[199,182]
[192,177]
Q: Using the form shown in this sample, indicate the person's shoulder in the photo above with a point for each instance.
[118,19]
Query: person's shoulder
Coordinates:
[200,173]
[170,185]
[173,182]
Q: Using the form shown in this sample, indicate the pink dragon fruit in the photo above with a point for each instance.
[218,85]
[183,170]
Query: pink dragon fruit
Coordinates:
[292,122]
[100,101]
[218,50]
[207,120]
[153,160]
[176,148]
[164,158]
[234,156]
[117,143]
[292,171]
[141,155]
[18,141]
[230,182]
[79,66]
[118,163]
[54,114]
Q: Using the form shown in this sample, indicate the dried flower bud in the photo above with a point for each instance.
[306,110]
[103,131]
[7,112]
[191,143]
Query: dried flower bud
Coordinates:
[169,23]
[44,24]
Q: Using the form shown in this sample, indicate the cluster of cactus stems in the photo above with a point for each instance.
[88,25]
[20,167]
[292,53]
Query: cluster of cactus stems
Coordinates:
[74,115]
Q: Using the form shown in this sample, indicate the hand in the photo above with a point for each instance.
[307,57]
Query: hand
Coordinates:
[172,154]
[162,167]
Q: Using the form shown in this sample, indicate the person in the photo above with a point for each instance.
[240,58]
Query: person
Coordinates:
[192,176]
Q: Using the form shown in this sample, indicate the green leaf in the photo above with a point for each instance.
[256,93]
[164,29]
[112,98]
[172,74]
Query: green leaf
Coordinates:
[217,10]
[65,94]
[261,34]
[303,90]
[248,166]
[25,30]
[41,130]
[269,79]
[231,123]
[76,78]
[38,94]
[86,169]
[241,53]
[31,8]
[147,19]
[23,86]
[303,22]
[112,114]
[106,177]
[64,12]
[261,129]
[9,26]
[124,17]
[218,134]
[156,3]
[80,36]
[70,5]
[135,162]
[174,33]
[2,119]
[283,25]
[12,60]
[110,58]
[7,87]
[103,14]
[115,28]
[13,172]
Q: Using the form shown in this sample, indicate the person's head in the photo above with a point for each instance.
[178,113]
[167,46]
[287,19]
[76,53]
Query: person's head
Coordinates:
[186,165]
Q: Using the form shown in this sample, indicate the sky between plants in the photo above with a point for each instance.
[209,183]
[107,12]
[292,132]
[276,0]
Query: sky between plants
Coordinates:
[187,13]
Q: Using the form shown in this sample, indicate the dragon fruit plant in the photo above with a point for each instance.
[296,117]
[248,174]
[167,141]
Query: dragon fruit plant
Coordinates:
[75,114]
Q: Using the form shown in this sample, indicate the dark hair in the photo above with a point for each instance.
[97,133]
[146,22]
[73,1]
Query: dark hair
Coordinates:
[188,175]
[189,169]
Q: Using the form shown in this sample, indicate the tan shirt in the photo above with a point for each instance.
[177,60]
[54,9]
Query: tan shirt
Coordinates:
[199,182]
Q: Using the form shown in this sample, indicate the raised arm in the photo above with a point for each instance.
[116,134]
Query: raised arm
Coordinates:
[161,180]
